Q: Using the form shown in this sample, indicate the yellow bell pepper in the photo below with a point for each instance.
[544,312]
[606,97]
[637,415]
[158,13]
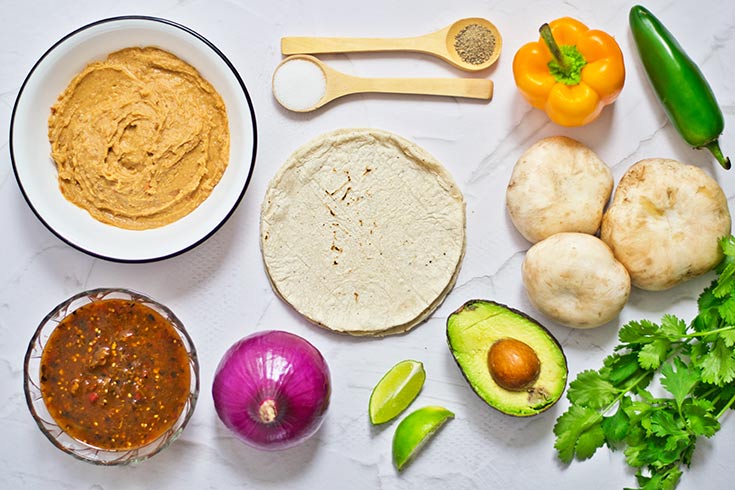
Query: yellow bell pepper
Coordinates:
[571,72]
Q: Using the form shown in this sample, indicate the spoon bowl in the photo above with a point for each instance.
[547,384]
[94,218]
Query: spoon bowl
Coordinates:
[488,47]
[470,44]
[297,85]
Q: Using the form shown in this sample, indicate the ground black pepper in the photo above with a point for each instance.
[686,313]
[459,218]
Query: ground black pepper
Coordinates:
[474,44]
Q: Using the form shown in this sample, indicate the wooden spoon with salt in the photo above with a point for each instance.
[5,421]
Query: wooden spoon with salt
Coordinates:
[471,44]
[305,88]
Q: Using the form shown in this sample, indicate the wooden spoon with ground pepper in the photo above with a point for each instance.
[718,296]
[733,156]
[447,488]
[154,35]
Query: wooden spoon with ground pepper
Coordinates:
[471,44]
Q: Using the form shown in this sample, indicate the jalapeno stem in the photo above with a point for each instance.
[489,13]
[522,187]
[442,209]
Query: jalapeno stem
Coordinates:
[714,147]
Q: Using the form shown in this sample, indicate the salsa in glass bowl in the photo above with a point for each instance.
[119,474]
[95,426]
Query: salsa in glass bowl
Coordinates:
[111,376]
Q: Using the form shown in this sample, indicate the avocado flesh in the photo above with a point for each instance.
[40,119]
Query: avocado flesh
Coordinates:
[473,329]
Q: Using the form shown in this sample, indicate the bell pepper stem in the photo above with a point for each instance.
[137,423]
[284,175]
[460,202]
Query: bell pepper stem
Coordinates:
[714,147]
[553,46]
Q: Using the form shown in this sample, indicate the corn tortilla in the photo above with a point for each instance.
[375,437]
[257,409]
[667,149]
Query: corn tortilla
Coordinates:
[363,232]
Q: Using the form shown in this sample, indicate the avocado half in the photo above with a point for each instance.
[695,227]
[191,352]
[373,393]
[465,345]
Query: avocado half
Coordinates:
[475,327]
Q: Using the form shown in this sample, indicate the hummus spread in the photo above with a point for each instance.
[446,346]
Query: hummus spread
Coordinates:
[139,139]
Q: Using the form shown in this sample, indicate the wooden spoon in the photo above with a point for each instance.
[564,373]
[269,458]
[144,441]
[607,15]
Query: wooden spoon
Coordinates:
[337,84]
[472,49]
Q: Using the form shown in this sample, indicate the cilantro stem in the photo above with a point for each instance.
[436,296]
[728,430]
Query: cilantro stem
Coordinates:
[708,332]
[625,391]
[707,393]
[725,408]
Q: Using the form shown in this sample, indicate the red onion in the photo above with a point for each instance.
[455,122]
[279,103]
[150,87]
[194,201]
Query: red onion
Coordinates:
[272,389]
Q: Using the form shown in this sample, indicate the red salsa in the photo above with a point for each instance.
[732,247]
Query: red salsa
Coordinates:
[115,374]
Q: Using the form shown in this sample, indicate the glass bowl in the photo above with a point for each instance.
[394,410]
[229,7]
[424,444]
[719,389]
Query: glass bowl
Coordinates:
[44,419]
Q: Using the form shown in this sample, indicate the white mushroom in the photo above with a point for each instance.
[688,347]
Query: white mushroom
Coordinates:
[575,279]
[665,222]
[558,185]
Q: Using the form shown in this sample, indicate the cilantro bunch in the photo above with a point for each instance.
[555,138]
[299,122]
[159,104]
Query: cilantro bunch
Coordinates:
[695,365]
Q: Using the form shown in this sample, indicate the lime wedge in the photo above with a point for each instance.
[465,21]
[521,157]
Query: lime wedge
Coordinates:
[396,390]
[415,430]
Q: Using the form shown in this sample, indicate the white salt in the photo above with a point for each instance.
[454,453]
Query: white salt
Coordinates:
[299,84]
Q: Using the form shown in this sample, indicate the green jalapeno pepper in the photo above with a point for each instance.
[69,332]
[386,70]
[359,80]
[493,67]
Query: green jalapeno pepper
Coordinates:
[684,92]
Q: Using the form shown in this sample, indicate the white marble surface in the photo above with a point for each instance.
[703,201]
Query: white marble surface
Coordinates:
[221,293]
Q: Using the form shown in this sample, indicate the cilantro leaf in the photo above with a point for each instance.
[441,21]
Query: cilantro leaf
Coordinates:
[727,244]
[570,427]
[638,410]
[647,452]
[700,419]
[616,426]
[589,389]
[619,368]
[672,326]
[666,480]
[708,313]
[718,365]
[680,382]
[725,283]
[657,452]
[726,310]
[726,268]
[652,355]
[589,441]
[670,480]
[707,299]
[674,447]
[663,423]
[637,332]
[728,337]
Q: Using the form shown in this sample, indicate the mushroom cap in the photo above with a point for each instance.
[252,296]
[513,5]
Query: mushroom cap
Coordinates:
[558,185]
[575,279]
[665,222]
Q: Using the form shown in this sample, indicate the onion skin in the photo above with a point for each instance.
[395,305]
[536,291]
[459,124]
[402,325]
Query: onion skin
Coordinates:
[272,389]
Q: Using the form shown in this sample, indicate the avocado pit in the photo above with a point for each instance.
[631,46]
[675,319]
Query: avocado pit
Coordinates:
[513,364]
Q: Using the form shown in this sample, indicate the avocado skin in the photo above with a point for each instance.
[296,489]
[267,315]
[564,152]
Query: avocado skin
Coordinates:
[486,392]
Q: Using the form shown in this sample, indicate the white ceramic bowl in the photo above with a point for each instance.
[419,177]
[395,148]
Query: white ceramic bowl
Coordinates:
[36,172]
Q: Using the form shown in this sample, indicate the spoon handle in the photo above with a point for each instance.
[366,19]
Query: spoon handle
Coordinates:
[474,88]
[317,45]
